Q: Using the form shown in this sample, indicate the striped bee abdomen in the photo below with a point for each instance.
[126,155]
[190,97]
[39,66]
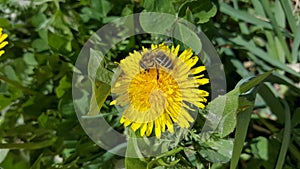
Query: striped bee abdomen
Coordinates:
[163,60]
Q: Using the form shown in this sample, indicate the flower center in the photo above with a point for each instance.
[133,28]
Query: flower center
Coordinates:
[148,92]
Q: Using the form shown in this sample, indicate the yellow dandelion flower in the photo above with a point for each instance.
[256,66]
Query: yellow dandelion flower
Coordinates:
[2,42]
[155,97]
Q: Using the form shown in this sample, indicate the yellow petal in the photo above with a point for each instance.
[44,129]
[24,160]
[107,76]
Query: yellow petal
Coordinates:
[192,61]
[3,37]
[113,103]
[199,76]
[3,44]
[169,123]
[203,93]
[143,129]
[186,115]
[125,121]
[136,126]
[200,105]
[163,123]
[153,46]
[149,129]
[186,54]
[202,81]
[1,52]
[122,120]
[198,69]
[176,50]
[157,129]
[183,123]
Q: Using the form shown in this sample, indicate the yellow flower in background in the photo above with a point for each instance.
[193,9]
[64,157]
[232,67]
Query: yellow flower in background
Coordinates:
[2,42]
[155,98]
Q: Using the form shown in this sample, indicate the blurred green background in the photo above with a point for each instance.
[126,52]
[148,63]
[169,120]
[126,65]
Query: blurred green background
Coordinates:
[38,124]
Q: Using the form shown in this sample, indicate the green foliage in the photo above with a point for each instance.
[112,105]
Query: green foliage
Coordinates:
[197,11]
[259,125]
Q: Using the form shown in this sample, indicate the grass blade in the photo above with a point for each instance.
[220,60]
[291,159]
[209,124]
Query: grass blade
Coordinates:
[258,8]
[271,99]
[279,14]
[242,15]
[266,4]
[263,55]
[243,26]
[289,15]
[296,44]
[243,120]
[286,137]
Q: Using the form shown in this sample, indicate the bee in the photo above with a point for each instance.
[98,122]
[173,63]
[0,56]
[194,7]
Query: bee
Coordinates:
[155,59]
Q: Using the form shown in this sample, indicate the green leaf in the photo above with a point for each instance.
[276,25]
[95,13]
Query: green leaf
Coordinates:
[244,87]
[260,148]
[128,10]
[202,10]
[159,6]
[10,73]
[63,87]
[102,80]
[40,45]
[186,35]
[224,109]
[4,101]
[169,25]
[11,162]
[96,67]
[102,7]
[159,158]
[157,23]
[296,117]
[29,59]
[100,92]
[135,163]
[38,19]
[59,43]
[160,162]
[29,145]
[66,106]
[98,10]
[37,163]
[3,153]
[219,151]
[43,119]
[133,151]
[4,23]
